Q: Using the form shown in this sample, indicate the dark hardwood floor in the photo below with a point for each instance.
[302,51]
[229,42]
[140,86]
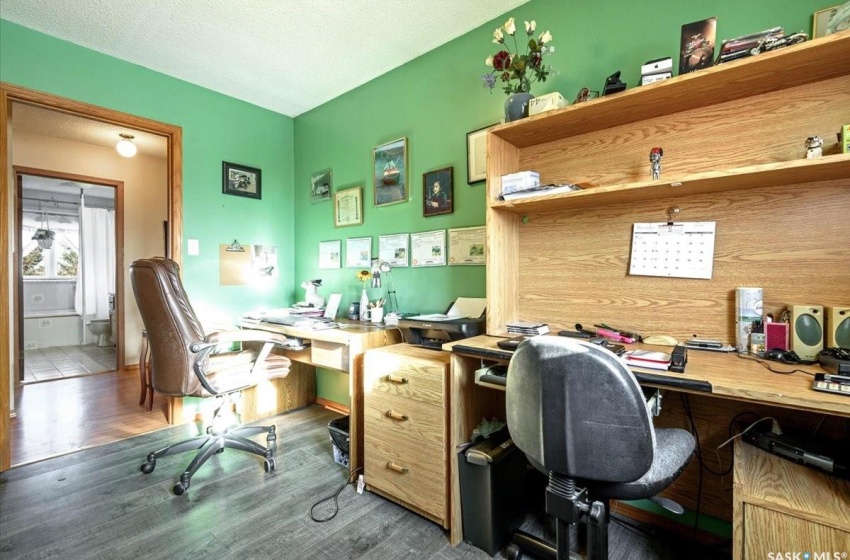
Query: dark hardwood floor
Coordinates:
[96,504]
[65,415]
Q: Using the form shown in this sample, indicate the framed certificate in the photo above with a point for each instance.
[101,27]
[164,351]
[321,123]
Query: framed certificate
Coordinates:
[348,207]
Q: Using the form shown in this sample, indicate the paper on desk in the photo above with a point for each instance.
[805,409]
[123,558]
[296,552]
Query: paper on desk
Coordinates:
[467,307]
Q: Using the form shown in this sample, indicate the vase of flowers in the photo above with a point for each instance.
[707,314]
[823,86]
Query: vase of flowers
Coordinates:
[517,70]
[364,276]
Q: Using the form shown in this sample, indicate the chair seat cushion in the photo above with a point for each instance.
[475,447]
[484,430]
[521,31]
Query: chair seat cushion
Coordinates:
[673,450]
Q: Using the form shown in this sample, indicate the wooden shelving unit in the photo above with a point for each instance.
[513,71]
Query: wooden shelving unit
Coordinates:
[733,139]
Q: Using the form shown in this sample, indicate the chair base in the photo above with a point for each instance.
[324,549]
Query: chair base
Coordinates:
[212,444]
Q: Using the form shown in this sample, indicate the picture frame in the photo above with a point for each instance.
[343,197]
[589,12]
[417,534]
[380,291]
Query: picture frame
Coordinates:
[820,20]
[241,180]
[476,155]
[329,254]
[321,184]
[348,207]
[696,50]
[389,172]
[358,252]
[438,192]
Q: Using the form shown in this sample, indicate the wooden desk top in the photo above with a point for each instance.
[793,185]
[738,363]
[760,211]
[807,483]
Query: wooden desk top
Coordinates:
[344,335]
[716,373]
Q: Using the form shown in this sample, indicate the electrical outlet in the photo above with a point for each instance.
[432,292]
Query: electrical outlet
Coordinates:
[194,248]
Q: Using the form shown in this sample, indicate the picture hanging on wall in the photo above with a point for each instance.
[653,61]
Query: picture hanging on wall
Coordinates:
[389,171]
[329,254]
[240,180]
[320,186]
[697,47]
[476,155]
[437,192]
[358,252]
[348,207]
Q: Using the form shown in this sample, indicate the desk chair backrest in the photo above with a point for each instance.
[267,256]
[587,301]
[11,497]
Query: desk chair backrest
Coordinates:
[171,325]
[575,409]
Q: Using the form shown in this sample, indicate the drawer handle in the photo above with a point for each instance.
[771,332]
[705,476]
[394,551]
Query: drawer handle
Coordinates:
[397,379]
[396,416]
[397,468]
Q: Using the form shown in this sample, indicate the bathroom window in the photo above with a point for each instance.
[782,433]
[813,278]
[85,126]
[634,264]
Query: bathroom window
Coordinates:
[61,260]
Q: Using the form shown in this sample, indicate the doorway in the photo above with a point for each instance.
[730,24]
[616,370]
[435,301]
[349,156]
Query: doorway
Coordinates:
[9,336]
[70,242]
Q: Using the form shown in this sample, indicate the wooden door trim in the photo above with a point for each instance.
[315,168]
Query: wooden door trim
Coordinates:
[9,94]
[119,254]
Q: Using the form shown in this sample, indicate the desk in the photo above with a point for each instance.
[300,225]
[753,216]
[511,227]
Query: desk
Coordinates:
[713,375]
[339,349]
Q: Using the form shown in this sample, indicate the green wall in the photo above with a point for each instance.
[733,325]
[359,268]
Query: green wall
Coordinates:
[437,98]
[215,127]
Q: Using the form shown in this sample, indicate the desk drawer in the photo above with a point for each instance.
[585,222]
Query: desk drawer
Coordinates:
[408,470]
[329,354]
[417,381]
[396,418]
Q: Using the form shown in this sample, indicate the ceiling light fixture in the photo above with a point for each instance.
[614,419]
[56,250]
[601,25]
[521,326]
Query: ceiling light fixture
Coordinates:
[125,146]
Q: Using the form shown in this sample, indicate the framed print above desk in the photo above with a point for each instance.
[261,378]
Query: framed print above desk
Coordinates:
[348,207]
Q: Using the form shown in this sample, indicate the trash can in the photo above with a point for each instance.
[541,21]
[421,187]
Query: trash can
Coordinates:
[492,488]
[339,430]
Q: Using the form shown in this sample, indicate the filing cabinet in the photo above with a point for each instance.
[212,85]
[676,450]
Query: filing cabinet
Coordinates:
[405,428]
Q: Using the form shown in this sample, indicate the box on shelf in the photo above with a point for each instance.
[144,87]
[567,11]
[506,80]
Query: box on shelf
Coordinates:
[658,66]
[547,102]
[652,78]
[844,139]
[339,431]
[514,182]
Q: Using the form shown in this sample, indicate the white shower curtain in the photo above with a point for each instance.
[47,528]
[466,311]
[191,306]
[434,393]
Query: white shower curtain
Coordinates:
[97,264]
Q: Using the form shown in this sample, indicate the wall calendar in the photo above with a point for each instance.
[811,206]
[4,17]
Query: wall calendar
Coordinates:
[673,249]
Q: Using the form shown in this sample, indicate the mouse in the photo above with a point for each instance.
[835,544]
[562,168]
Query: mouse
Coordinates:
[784,356]
[660,340]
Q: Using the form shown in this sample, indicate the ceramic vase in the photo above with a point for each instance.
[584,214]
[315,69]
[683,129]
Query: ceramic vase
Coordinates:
[364,304]
[516,106]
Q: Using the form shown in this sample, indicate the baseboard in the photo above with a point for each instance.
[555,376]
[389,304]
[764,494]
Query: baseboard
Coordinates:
[331,405]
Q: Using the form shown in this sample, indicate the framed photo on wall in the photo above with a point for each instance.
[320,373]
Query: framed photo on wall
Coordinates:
[240,180]
[320,186]
[476,155]
[697,47]
[389,172]
[838,16]
[348,207]
[438,192]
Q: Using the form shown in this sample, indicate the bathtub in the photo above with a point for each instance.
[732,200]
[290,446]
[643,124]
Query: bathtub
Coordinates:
[43,329]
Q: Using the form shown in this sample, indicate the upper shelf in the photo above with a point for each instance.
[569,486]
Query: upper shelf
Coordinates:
[808,62]
[827,168]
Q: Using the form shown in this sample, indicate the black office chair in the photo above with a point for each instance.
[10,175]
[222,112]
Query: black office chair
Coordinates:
[184,364]
[578,414]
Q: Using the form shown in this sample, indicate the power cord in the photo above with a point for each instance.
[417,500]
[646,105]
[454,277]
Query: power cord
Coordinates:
[747,356]
[334,497]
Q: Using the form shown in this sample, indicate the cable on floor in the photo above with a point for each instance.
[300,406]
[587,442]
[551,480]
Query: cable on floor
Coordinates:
[334,497]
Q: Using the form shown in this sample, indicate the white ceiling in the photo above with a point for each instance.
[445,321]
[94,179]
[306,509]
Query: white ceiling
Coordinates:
[47,122]
[283,55]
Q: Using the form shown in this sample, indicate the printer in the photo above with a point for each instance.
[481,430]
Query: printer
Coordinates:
[463,319]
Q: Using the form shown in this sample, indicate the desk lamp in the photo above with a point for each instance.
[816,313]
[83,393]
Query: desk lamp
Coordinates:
[392,301]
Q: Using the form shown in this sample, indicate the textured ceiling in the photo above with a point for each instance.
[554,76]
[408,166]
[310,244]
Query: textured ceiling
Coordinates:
[47,122]
[283,55]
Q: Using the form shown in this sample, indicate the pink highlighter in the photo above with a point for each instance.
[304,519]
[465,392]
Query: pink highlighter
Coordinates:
[615,336]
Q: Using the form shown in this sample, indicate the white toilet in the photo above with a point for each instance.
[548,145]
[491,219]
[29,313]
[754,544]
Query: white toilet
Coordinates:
[102,329]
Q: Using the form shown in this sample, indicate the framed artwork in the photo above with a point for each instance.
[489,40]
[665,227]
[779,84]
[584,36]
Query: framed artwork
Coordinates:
[348,207]
[389,172]
[437,192]
[394,249]
[821,20]
[697,47]
[329,254]
[320,186]
[240,180]
[428,248]
[476,155]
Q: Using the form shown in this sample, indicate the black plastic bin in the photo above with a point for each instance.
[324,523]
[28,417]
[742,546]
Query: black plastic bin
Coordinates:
[339,430]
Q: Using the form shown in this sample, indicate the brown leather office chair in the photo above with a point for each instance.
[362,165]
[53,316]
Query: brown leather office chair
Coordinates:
[184,364]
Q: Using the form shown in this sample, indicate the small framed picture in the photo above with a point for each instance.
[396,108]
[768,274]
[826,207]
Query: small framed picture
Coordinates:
[476,155]
[348,207]
[320,186]
[821,20]
[240,180]
[389,172]
[437,192]
[696,50]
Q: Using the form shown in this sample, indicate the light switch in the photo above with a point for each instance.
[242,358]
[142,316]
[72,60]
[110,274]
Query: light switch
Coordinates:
[194,248]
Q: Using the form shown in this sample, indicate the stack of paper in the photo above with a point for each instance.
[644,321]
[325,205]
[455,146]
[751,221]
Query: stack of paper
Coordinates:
[539,190]
[648,359]
[527,328]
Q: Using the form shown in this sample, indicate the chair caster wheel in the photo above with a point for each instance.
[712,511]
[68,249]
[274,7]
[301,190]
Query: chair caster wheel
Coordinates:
[269,464]
[147,467]
[180,488]
[220,450]
[513,552]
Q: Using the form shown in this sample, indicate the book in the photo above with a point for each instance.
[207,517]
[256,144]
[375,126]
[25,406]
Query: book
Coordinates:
[527,328]
[648,359]
[538,191]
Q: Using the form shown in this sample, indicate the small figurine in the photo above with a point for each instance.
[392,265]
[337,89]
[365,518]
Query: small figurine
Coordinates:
[312,298]
[655,160]
[814,147]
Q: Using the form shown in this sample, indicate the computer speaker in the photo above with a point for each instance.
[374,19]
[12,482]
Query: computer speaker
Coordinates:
[838,327]
[806,330]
